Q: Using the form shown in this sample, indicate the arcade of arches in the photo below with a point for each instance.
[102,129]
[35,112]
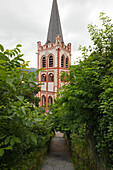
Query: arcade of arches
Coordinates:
[50,100]
[64,61]
[50,77]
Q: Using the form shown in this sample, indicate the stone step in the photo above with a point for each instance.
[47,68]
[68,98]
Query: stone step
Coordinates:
[57,145]
[58,157]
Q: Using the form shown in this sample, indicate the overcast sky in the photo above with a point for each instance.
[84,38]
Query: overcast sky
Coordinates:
[26,22]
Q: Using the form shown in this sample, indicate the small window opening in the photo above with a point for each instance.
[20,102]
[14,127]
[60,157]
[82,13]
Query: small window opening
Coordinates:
[50,100]
[51,61]
[43,100]
[50,77]
[44,62]
[43,77]
[67,62]
[62,61]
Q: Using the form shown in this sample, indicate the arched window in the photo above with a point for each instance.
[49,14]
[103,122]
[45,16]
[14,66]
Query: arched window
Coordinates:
[43,77]
[51,61]
[50,100]
[44,62]
[62,61]
[43,100]
[50,77]
[67,62]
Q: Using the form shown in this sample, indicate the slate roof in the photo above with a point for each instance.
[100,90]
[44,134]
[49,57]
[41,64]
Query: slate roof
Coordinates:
[54,24]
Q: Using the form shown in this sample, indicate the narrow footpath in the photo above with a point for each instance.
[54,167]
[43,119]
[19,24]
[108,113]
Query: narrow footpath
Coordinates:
[58,157]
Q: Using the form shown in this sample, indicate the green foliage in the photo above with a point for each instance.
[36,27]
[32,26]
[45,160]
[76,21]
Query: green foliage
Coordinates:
[33,160]
[23,125]
[87,98]
[81,154]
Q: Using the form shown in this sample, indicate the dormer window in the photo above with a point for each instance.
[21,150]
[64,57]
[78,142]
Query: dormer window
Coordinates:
[50,77]
[44,62]
[51,61]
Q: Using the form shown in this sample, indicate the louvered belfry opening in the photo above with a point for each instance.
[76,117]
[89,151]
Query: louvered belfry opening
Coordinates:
[51,61]
[67,62]
[62,61]
[44,62]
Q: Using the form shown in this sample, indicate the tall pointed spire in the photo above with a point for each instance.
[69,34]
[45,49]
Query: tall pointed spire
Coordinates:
[54,25]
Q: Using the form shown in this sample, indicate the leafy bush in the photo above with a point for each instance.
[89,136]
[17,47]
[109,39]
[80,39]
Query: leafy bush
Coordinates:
[87,98]
[23,125]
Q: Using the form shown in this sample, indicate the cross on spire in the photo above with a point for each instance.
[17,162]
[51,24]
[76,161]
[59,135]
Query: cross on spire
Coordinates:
[54,24]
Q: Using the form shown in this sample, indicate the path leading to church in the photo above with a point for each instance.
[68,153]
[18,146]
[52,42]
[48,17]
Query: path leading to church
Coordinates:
[58,157]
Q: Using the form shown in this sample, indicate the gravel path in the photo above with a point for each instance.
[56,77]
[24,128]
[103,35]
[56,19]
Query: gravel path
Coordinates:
[58,157]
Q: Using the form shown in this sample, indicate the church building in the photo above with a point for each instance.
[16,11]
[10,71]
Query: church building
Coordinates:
[54,57]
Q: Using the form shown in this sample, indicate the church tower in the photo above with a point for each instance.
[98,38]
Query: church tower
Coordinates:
[54,57]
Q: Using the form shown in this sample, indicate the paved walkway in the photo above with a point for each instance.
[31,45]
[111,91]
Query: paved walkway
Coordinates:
[58,157]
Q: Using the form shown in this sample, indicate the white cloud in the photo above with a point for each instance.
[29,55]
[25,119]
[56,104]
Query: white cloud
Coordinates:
[27,21]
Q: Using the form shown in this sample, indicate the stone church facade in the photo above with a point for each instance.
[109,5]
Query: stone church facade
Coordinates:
[54,57]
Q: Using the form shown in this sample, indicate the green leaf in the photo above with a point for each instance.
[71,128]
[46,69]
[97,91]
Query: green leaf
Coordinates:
[3,61]
[3,74]
[19,68]
[2,137]
[18,50]
[23,110]
[27,69]
[7,140]
[21,98]
[34,139]
[9,82]
[8,148]
[19,45]
[17,140]
[38,120]
[1,48]
[12,142]
[6,52]
[2,106]
[1,152]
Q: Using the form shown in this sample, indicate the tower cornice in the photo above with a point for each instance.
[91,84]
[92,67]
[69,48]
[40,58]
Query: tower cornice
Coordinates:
[57,44]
